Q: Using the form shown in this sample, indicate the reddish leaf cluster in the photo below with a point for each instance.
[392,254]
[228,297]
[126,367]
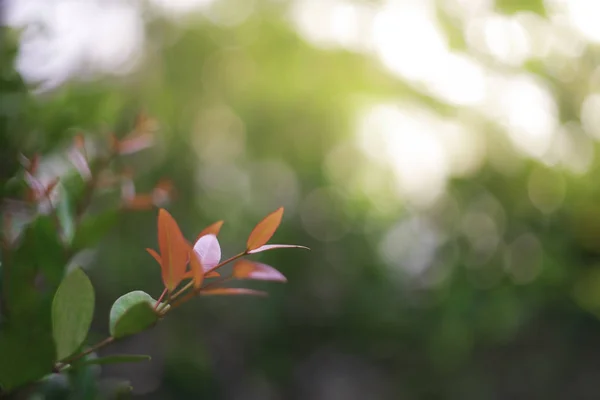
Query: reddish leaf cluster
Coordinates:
[180,260]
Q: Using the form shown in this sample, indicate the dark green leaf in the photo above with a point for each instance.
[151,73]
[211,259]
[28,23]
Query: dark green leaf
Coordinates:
[72,312]
[132,313]
[26,349]
[36,268]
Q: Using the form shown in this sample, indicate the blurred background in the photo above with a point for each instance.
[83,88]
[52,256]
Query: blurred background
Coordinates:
[438,157]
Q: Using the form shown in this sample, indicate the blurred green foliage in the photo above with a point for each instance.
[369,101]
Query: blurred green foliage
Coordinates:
[248,116]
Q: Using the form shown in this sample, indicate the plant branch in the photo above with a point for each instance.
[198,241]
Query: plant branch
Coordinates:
[160,299]
[76,357]
[190,284]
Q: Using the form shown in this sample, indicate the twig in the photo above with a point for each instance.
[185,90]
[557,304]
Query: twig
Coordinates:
[76,357]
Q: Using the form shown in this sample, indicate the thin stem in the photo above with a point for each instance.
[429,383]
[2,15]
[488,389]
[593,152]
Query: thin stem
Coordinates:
[76,357]
[230,259]
[160,299]
[194,293]
[185,299]
[190,284]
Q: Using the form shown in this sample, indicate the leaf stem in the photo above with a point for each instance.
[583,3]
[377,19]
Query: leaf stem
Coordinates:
[160,299]
[190,284]
[194,293]
[76,357]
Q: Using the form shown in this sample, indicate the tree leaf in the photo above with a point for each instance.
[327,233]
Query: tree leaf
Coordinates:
[154,254]
[213,229]
[66,215]
[27,350]
[132,313]
[246,269]
[267,247]
[72,312]
[208,250]
[115,359]
[196,268]
[232,291]
[173,250]
[264,230]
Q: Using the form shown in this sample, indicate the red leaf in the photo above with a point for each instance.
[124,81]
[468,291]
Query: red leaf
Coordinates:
[173,250]
[213,228]
[196,268]
[79,141]
[264,230]
[232,291]
[135,143]
[245,269]
[140,202]
[155,255]
[34,164]
[267,247]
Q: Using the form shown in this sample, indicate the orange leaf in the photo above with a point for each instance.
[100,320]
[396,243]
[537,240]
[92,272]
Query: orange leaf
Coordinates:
[264,230]
[245,269]
[155,255]
[135,143]
[211,229]
[34,164]
[140,202]
[196,268]
[79,141]
[228,291]
[173,250]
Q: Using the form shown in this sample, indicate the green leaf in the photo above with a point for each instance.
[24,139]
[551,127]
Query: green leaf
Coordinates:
[40,258]
[66,215]
[132,313]
[26,349]
[72,312]
[116,359]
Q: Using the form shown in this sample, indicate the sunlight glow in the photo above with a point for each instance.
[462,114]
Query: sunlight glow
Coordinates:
[422,150]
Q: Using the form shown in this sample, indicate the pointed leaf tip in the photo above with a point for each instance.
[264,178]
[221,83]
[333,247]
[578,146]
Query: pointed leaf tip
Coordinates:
[155,255]
[245,269]
[211,229]
[267,247]
[264,230]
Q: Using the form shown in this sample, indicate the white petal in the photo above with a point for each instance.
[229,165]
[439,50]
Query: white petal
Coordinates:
[208,250]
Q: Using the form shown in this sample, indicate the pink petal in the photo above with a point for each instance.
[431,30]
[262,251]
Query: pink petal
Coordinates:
[208,250]
[275,246]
